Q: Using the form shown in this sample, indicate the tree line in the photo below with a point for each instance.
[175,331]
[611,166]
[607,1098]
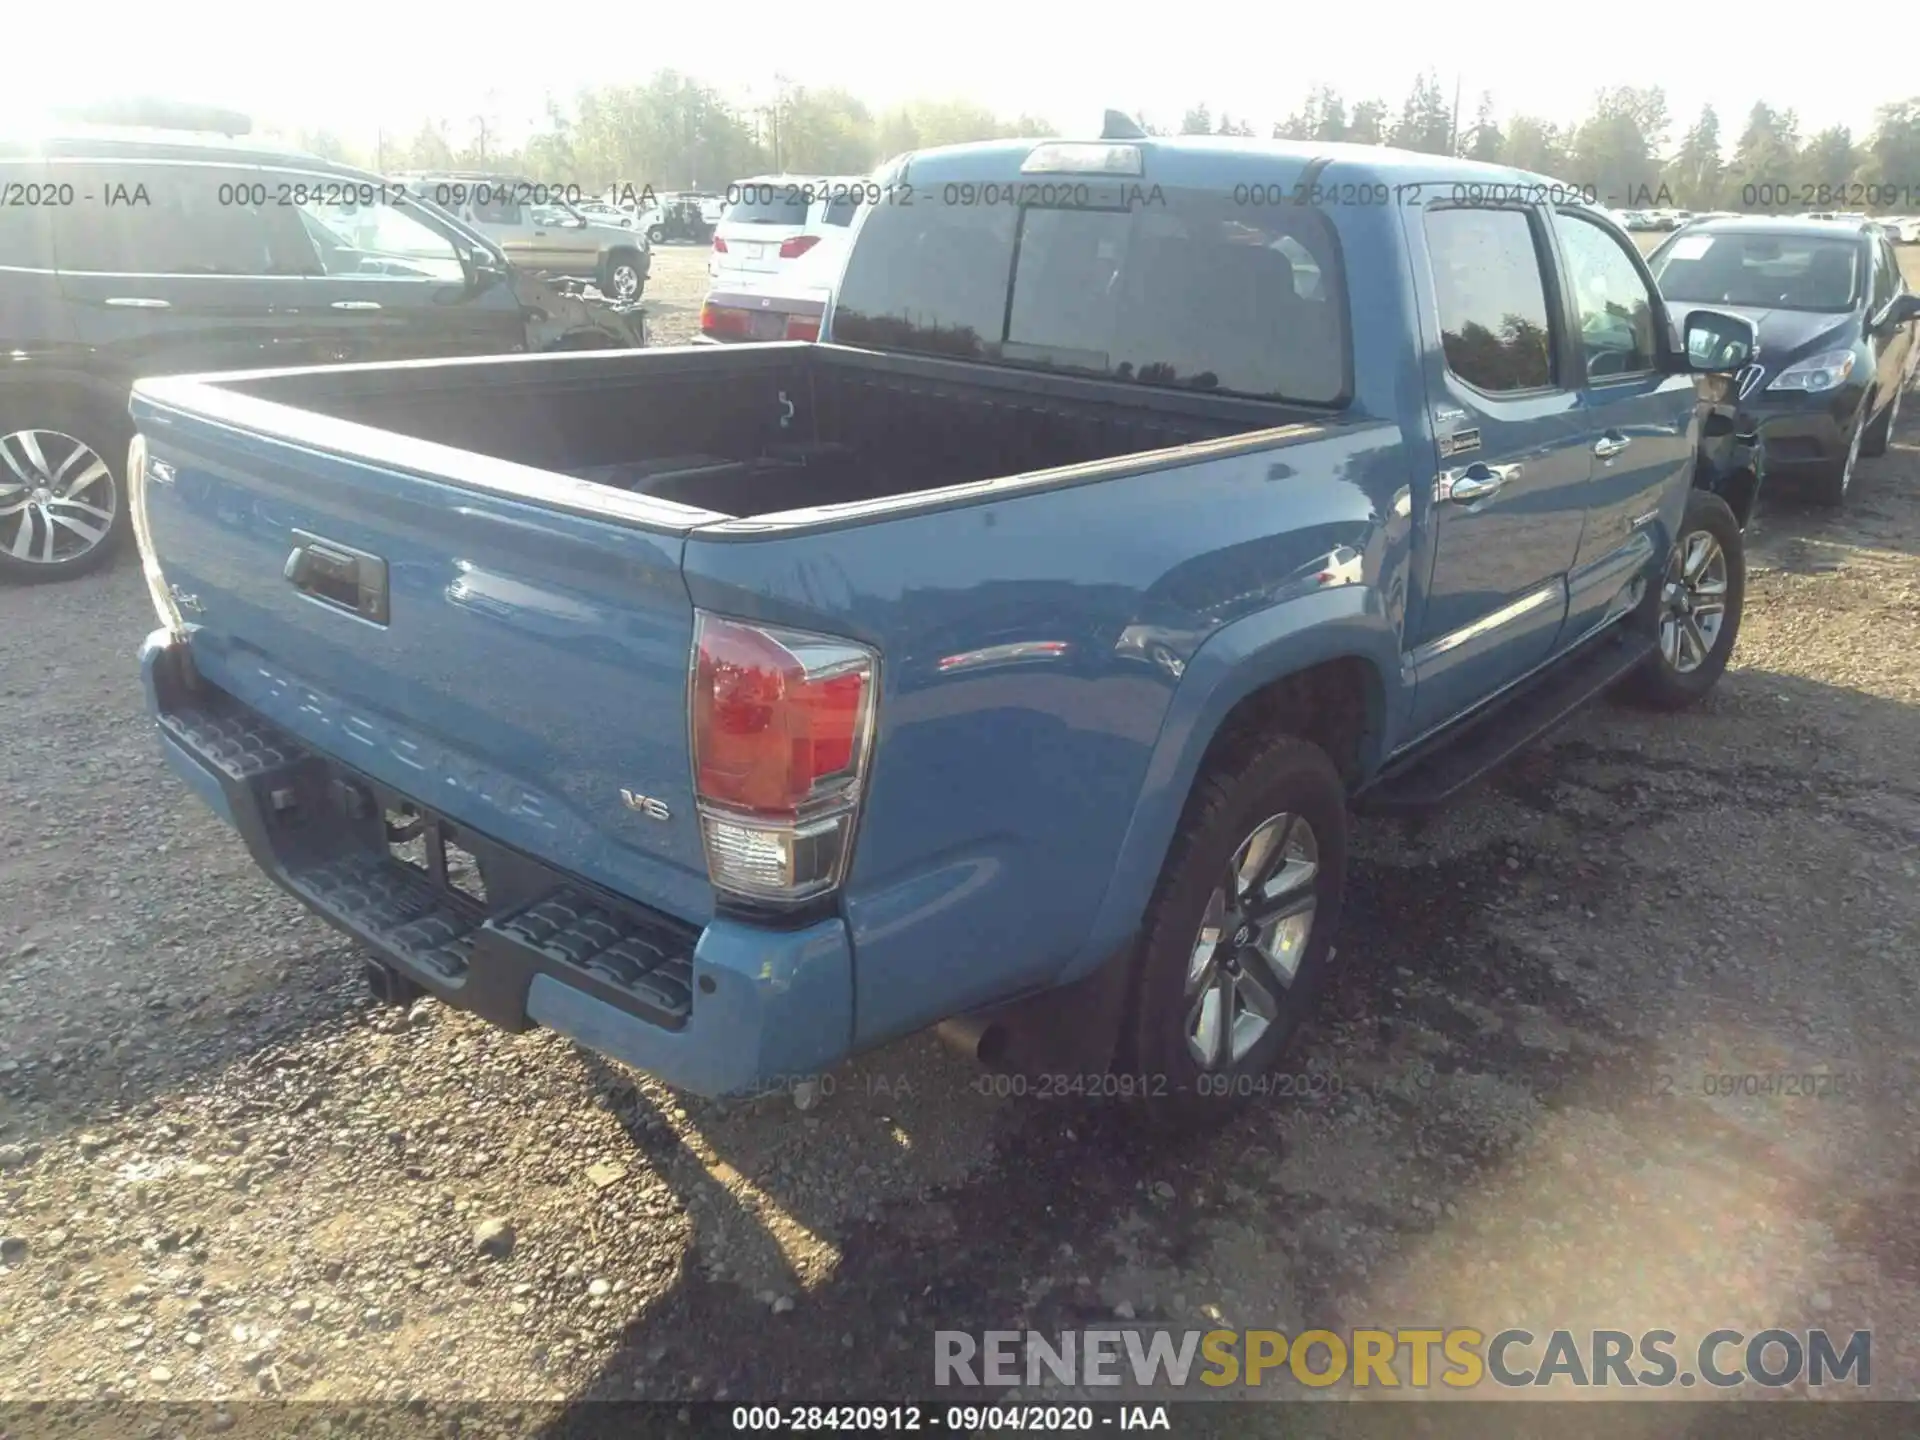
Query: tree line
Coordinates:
[1626,149]
[672,131]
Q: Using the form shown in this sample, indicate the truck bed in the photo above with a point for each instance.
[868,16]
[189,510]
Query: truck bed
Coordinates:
[748,431]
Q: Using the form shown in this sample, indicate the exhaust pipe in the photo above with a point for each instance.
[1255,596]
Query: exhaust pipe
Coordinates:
[982,1041]
[389,986]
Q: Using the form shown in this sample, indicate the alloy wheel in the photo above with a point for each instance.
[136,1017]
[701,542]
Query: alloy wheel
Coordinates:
[1253,936]
[57,497]
[1694,600]
[626,281]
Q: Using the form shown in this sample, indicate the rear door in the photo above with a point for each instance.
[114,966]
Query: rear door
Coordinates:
[1513,461]
[1639,417]
[175,266]
[391,284]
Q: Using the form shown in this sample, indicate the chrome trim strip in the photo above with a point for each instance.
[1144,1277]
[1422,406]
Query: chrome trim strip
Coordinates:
[1486,624]
[1003,654]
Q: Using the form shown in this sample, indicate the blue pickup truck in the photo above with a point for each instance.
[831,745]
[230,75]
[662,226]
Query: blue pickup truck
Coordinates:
[1009,660]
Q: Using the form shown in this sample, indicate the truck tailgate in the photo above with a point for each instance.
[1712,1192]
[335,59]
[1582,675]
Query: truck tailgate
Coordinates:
[525,667]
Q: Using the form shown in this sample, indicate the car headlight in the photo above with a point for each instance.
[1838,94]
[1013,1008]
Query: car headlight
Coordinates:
[1816,373]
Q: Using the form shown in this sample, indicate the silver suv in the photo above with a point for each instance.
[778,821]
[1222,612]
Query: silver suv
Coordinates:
[539,228]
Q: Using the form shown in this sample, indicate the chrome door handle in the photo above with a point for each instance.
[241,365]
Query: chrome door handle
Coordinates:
[1476,482]
[1608,446]
[138,302]
[356,305]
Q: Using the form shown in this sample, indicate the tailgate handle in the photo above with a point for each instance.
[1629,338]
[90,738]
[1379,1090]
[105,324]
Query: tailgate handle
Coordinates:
[339,576]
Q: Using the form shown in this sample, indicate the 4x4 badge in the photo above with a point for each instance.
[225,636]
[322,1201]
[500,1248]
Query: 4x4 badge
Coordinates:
[648,806]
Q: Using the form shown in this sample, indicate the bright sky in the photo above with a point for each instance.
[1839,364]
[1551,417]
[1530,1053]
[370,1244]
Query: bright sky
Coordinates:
[394,63]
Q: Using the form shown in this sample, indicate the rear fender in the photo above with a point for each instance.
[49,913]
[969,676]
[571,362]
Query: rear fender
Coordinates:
[1350,622]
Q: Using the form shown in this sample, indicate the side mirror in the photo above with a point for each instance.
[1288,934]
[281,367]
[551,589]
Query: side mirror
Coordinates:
[1901,310]
[1717,341]
[483,270]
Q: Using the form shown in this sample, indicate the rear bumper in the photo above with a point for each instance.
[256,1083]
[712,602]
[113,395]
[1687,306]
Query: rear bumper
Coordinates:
[717,1011]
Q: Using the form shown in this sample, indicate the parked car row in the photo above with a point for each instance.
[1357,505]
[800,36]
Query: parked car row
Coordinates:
[160,251]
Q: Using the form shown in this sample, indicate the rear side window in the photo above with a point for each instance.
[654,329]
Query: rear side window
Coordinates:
[768,203]
[1492,298]
[840,210]
[1195,294]
[27,198]
[156,219]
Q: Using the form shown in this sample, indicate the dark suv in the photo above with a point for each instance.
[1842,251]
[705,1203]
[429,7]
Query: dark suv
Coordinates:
[137,252]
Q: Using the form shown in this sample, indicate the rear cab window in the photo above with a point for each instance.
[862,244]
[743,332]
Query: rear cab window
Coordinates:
[1190,292]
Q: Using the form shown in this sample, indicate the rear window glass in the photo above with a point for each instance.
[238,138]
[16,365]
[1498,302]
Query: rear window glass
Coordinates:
[1768,272]
[757,203]
[1195,294]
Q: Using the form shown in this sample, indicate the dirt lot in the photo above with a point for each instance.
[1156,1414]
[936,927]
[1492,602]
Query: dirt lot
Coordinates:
[674,291]
[223,1171]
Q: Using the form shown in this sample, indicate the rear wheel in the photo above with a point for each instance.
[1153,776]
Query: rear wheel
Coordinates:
[62,510]
[656,235]
[1240,927]
[624,277]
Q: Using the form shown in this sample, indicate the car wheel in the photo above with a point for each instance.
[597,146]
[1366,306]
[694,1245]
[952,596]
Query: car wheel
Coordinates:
[1240,928]
[656,235]
[1881,431]
[62,512]
[1695,612]
[625,278]
[1832,485]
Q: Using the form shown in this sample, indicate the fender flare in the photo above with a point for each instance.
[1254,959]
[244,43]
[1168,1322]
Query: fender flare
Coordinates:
[1350,622]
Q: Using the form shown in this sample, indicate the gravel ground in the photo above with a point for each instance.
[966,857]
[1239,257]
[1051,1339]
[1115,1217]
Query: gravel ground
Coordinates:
[225,1172]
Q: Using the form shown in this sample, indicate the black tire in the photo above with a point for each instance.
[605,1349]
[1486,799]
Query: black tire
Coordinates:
[57,427]
[1881,431]
[1832,484]
[1662,683]
[1231,805]
[656,235]
[615,283]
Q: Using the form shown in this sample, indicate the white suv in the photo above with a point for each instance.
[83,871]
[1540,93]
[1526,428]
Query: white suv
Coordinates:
[773,222]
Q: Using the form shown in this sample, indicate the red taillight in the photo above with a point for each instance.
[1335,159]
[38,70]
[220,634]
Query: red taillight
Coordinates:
[796,247]
[724,322]
[770,730]
[781,723]
[719,246]
[802,328]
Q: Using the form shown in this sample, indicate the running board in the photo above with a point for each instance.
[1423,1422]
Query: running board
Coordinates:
[1443,767]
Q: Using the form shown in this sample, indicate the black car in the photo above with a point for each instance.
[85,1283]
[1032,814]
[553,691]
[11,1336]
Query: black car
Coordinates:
[137,252]
[679,217]
[1836,324]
